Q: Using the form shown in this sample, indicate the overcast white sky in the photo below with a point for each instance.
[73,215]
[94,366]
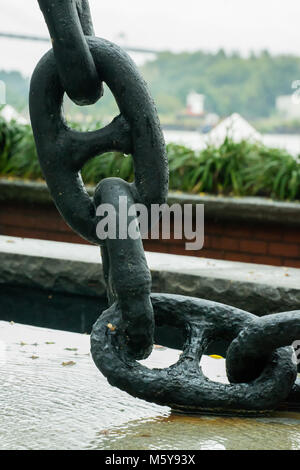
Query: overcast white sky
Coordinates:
[242,25]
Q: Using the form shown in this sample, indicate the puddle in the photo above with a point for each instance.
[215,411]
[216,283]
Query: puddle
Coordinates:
[45,405]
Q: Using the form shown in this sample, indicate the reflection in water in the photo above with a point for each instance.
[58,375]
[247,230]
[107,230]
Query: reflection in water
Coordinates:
[280,431]
[45,405]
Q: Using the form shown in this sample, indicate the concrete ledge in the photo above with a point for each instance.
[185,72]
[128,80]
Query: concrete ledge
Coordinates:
[24,191]
[216,207]
[76,269]
[256,209]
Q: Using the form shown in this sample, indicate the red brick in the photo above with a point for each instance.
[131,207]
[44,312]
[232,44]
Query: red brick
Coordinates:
[227,229]
[207,241]
[242,257]
[292,263]
[288,250]
[180,250]
[270,260]
[214,254]
[43,235]
[245,242]
[241,232]
[213,228]
[225,243]
[173,249]
[291,235]
[41,219]
[267,233]
[157,247]
[253,246]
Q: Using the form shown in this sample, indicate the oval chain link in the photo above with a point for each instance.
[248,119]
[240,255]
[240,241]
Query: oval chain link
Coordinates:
[69,21]
[260,364]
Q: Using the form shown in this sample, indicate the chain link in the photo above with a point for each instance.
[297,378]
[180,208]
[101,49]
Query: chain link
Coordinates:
[62,153]
[260,366]
[69,21]
[183,386]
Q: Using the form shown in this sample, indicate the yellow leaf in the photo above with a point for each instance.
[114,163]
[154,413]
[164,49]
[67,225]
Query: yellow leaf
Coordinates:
[111,327]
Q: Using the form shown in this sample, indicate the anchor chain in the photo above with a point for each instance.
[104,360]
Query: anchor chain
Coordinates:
[260,362]
[68,23]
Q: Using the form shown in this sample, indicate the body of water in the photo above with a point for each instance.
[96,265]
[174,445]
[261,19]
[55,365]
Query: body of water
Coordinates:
[197,141]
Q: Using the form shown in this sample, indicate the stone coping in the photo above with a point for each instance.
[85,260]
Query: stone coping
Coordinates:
[217,207]
[76,269]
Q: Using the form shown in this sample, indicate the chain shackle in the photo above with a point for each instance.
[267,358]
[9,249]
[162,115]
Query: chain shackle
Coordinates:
[183,386]
[69,21]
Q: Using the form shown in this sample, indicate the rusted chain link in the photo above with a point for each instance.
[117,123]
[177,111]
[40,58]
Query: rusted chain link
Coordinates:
[260,364]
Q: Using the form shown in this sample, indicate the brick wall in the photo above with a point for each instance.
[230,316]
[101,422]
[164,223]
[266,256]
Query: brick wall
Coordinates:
[273,244]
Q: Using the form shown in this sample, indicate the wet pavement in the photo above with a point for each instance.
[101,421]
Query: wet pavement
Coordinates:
[53,397]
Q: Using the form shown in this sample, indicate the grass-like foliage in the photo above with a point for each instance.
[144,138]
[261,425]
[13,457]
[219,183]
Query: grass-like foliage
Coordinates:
[234,169]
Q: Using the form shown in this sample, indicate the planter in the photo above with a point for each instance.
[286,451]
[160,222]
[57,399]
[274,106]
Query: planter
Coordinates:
[250,229]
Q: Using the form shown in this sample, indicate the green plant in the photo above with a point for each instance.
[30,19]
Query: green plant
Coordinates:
[108,165]
[11,135]
[235,169]
[274,173]
[21,159]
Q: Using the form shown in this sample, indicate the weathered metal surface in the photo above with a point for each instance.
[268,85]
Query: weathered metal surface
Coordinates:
[125,332]
[183,386]
[63,152]
[69,21]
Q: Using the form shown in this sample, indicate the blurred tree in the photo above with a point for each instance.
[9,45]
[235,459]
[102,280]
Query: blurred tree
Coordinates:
[230,83]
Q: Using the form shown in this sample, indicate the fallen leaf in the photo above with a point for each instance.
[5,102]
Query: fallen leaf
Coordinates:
[70,363]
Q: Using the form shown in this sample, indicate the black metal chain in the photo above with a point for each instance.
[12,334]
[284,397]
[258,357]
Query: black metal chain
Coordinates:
[259,358]
[183,386]
[69,21]
[63,152]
